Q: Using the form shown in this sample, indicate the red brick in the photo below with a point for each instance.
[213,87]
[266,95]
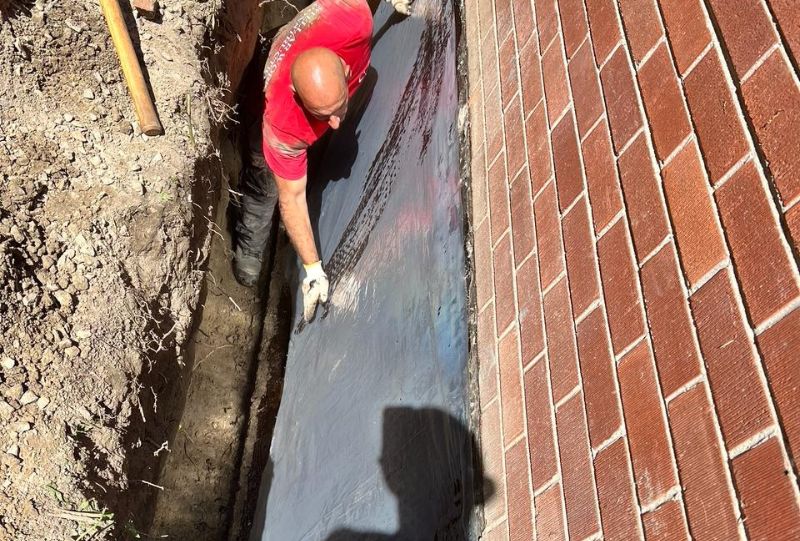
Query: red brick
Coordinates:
[615,489]
[520,520]
[498,533]
[730,363]
[486,15]
[765,490]
[560,340]
[706,490]
[530,75]
[523,22]
[773,103]
[620,92]
[787,12]
[687,30]
[494,124]
[585,88]
[779,346]
[480,195]
[583,516]
[693,217]
[601,176]
[484,272]
[666,523]
[619,284]
[581,257]
[567,160]
[719,129]
[544,462]
[653,467]
[487,356]
[605,30]
[550,515]
[522,217]
[746,31]
[511,387]
[670,322]
[573,24]
[503,19]
[538,148]
[492,454]
[509,80]
[489,63]
[599,386]
[504,284]
[766,273]
[498,199]
[531,324]
[642,25]
[556,89]
[548,236]
[793,221]
[515,137]
[646,209]
[663,101]
[546,21]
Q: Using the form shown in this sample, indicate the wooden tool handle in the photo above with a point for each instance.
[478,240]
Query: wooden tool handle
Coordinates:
[145,109]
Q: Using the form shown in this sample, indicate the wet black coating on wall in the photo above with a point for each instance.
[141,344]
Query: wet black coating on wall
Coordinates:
[371,440]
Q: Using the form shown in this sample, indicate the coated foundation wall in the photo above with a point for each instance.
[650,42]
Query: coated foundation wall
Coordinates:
[636,178]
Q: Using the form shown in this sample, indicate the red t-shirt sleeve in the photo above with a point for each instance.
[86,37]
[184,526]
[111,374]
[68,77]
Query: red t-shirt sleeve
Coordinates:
[286,156]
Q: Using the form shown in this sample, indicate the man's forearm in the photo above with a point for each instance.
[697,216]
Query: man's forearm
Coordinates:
[294,212]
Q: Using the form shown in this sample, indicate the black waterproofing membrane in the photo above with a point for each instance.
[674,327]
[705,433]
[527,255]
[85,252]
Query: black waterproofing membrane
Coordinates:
[371,441]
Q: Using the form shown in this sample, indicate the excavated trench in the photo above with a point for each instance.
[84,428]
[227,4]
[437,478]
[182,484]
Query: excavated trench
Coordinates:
[217,468]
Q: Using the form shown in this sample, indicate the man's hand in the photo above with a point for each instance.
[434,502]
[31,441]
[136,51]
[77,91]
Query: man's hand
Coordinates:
[401,6]
[315,289]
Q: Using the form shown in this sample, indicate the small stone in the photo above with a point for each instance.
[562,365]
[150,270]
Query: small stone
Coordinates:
[95,160]
[6,409]
[63,298]
[13,450]
[146,8]
[15,392]
[135,167]
[22,427]
[68,117]
[72,352]
[28,397]
[42,402]
[125,127]
[8,363]
[84,246]
[88,94]
[81,334]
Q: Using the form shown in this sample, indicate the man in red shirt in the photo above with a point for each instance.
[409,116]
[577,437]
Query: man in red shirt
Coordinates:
[315,65]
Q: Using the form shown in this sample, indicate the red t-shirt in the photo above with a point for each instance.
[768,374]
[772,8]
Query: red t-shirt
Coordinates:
[343,26]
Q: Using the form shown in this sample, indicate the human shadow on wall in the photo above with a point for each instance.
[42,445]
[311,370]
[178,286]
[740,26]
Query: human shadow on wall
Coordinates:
[431,463]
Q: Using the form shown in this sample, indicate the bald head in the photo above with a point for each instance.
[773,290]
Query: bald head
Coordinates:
[320,79]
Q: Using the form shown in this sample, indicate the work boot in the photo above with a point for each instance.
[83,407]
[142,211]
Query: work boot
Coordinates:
[246,268]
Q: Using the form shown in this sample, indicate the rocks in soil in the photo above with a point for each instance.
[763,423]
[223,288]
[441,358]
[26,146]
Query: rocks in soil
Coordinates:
[28,397]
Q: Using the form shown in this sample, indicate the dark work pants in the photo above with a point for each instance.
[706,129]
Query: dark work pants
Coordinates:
[259,193]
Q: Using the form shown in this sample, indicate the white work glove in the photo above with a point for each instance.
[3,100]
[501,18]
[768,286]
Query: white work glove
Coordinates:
[315,289]
[401,6]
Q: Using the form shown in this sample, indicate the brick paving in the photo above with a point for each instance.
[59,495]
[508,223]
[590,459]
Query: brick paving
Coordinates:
[636,215]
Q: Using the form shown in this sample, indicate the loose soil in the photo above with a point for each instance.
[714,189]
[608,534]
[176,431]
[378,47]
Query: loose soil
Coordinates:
[105,237]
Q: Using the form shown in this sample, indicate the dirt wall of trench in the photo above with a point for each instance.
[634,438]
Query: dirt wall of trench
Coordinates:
[104,239]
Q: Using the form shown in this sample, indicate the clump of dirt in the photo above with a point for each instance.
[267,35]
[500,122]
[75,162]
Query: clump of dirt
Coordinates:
[104,236]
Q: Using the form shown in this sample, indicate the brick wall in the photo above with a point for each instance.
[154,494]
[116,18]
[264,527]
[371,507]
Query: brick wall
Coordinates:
[636,178]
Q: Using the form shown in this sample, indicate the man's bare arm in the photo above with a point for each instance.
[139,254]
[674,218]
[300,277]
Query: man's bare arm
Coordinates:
[294,211]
